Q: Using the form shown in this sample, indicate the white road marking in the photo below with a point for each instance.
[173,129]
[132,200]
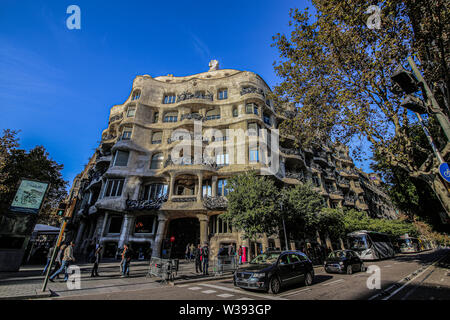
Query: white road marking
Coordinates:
[194,288]
[388,266]
[267,296]
[209,291]
[245,298]
[295,292]
[225,295]
[182,285]
[325,284]
[410,280]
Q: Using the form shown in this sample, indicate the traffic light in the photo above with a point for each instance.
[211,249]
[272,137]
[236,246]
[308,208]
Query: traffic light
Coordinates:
[61,209]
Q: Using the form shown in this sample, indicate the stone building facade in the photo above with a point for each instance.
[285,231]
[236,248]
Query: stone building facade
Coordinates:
[132,190]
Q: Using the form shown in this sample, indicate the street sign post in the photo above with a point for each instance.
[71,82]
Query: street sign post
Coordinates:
[29,197]
[444,170]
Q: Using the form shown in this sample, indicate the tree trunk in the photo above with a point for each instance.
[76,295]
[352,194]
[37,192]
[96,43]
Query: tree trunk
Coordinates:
[440,189]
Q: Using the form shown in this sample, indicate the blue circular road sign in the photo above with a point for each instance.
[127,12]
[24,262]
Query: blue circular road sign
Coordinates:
[444,170]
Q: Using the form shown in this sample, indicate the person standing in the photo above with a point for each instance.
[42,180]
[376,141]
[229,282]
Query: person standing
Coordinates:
[94,272]
[197,259]
[49,257]
[67,259]
[191,251]
[205,259]
[240,254]
[126,257]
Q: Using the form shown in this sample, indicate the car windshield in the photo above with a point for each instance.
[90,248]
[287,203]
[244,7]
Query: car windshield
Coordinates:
[337,254]
[266,258]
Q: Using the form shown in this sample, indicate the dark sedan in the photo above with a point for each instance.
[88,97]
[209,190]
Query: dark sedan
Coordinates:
[344,261]
[272,270]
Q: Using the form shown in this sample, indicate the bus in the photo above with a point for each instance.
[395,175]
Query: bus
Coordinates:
[413,245]
[370,245]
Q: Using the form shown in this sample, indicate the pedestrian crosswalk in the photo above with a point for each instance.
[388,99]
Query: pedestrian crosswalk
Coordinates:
[227,292]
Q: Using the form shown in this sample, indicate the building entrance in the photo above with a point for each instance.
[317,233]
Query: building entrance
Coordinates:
[185,231]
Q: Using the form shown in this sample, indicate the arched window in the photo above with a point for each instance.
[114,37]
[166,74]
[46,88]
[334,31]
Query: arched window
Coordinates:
[235,112]
[213,114]
[157,137]
[169,98]
[222,94]
[251,108]
[171,117]
[157,161]
[154,191]
[131,111]
[136,95]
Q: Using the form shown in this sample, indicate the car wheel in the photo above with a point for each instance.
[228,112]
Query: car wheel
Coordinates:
[363,267]
[274,285]
[349,270]
[308,279]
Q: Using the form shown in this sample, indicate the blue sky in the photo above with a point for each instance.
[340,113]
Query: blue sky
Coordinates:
[57,85]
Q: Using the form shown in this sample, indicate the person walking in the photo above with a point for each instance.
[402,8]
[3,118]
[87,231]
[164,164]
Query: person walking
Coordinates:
[67,259]
[126,257]
[240,251]
[197,259]
[205,258]
[94,272]
[49,257]
[186,252]
[58,259]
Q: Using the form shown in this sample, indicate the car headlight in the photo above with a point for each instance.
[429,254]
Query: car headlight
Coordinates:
[259,275]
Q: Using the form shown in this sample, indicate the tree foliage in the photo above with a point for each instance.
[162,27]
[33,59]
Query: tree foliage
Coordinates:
[36,164]
[301,205]
[253,205]
[336,71]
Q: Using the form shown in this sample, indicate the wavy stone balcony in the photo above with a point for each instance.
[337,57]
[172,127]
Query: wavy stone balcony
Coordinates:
[152,204]
[349,201]
[215,203]
[336,195]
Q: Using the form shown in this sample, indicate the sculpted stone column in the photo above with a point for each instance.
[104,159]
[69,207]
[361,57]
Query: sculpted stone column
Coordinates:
[214,186]
[172,186]
[204,219]
[79,235]
[125,232]
[200,187]
[162,223]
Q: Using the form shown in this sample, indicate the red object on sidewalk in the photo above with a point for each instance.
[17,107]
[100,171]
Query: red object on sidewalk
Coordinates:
[244,254]
[172,239]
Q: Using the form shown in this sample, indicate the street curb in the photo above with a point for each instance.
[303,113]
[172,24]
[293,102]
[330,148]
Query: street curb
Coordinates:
[36,295]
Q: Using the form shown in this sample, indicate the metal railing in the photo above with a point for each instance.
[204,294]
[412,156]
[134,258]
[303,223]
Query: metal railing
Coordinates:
[224,264]
[166,269]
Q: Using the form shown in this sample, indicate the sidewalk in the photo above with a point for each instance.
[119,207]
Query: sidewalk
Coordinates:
[27,283]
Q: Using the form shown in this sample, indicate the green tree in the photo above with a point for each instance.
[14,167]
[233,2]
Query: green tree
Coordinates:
[336,72]
[253,205]
[301,205]
[16,163]
[330,221]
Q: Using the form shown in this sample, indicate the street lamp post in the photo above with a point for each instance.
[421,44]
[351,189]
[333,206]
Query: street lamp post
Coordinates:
[284,225]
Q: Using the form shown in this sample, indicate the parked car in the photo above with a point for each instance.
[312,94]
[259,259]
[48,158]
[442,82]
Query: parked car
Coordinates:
[343,261]
[273,269]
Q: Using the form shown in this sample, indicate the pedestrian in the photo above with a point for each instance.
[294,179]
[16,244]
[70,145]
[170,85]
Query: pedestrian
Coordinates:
[197,259]
[192,248]
[205,258]
[94,272]
[221,257]
[186,253]
[66,261]
[58,259]
[126,257]
[49,258]
[240,254]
